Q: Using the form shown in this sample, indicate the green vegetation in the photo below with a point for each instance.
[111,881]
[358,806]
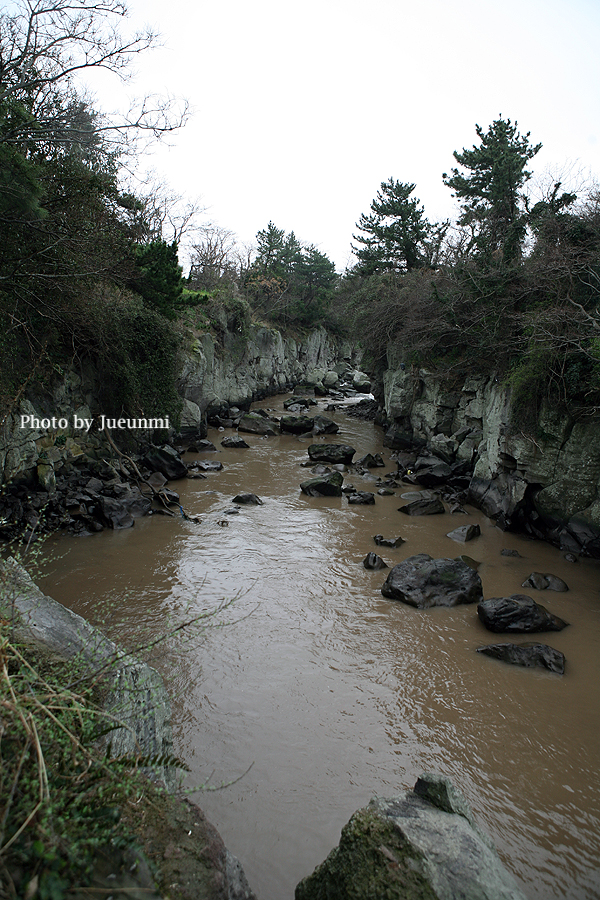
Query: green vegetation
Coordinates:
[89,279]
[62,798]
[511,289]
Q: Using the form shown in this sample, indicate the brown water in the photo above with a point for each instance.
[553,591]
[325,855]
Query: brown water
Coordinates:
[332,693]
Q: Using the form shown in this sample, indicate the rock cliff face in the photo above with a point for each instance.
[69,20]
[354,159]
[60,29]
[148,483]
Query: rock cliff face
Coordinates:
[236,370]
[546,483]
[239,370]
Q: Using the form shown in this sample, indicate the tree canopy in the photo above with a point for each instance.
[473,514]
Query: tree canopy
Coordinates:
[490,190]
[395,235]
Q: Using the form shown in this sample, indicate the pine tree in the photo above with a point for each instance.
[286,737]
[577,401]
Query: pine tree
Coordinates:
[490,193]
[395,233]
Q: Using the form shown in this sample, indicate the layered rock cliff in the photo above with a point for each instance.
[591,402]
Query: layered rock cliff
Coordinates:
[545,480]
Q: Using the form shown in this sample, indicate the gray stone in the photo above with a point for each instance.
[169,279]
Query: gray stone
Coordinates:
[165,460]
[361,383]
[464,533]
[424,582]
[422,845]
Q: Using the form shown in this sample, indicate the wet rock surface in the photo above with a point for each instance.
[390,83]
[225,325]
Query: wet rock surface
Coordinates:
[326,485]
[421,845]
[424,582]
[517,613]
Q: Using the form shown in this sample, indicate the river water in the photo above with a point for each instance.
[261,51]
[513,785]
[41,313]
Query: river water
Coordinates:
[324,693]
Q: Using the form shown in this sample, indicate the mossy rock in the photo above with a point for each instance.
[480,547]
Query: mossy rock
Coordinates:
[372,862]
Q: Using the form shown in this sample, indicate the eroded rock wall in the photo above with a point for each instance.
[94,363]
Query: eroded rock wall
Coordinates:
[545,481]
[240,370]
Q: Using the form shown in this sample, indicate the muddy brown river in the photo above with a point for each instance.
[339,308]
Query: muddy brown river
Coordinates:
[324,693]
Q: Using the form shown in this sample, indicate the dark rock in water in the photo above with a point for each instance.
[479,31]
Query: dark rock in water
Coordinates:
[433,475]
[528,655]
[113,514]
[464,533]
[248,499]
[300,402]
[385,492]
[421,845]
[237,443]
[201,446]
[384,542]
[517,613]
[423,508]
[296,424]
[510,553]
[333,453]
[166,461]
[329,485]
[207,465]
[500,499]
[323,425]
[372,561]
[425,582]
[370,462]
[545,582]
[570,557]
[254,423]
[364,498]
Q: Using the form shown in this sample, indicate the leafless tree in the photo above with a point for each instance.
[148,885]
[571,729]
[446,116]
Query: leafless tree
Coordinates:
[45,45]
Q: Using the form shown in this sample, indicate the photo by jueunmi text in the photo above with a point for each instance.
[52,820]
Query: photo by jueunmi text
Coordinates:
[82,424]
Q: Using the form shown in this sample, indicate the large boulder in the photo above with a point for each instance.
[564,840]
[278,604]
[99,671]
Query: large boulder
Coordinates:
[517,613]
[528,655]
[422,845]
[424,582]
[332,453]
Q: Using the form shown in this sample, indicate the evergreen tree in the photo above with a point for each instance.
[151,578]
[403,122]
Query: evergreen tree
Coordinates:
[490,193]
[395,233]
[159,277]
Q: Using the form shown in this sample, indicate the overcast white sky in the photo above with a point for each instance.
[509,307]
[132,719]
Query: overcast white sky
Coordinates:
[301,110]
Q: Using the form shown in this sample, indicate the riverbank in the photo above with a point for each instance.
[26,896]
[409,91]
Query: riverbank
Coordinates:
[335,693]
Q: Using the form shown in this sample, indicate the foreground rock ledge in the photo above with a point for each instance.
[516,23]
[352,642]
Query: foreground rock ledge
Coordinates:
[422,845]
